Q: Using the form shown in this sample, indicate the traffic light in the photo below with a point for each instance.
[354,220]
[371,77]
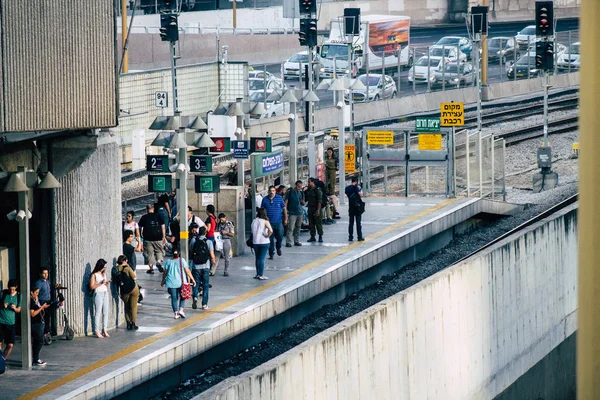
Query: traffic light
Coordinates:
[308,6]
[544,18]
[352,21]
[479,19]
[544,56]
[167,5]
[308,32]
[169,29]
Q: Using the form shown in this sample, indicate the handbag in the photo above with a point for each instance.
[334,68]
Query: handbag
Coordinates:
[218,242]
[250,242]
[186,288]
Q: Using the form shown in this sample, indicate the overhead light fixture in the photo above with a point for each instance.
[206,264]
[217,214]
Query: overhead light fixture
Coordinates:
[204,141]
[176,142]
[310,96]
[235,110]
[336,84]
[259,109]
[357,85]
[15,185]
[198,124]
[288,97]
[162,139]
[49,182]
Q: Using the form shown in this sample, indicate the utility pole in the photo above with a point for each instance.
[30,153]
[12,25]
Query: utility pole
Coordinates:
[124,35]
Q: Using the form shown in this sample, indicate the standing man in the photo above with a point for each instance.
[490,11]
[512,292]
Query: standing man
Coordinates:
[331,167]
[275,207]
[355,209]
[45,297]
[294,200]
[10,306]
[154,234]
[314,198]
[202,255]
[129,250]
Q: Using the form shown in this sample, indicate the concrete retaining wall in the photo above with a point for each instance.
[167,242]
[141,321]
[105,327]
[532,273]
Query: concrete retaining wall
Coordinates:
[467,332]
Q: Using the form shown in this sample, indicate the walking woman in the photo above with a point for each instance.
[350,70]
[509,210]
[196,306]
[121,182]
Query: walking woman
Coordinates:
[177,273]
[131,225]
[124,277]
[37,310]
[99,284]
[227,231]
[261,230]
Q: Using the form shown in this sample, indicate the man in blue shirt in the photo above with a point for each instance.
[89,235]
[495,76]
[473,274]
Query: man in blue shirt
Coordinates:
[45,297]
[274,205]
[294,200]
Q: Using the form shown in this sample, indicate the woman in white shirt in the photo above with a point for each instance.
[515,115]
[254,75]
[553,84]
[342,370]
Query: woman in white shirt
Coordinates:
[261,230]
[131,225]
[99,284]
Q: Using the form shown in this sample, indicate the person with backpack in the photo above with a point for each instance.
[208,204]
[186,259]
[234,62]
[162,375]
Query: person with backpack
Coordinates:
[356,207]
[99,284]
[124,278]
[155,236]
[177,273]
[10,306]
[314,198]
[202,255]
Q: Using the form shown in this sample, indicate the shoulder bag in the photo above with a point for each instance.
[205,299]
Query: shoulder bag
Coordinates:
[186,288]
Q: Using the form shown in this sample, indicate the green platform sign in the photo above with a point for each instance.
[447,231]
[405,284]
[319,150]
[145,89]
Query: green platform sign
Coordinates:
[157,163]
[207,184]
[160,183]
[201,163]
[427,124]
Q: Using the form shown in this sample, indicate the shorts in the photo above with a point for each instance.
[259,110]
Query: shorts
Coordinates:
[7,334]
[153,252]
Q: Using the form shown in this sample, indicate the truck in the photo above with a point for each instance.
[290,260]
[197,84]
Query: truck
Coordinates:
[381,40]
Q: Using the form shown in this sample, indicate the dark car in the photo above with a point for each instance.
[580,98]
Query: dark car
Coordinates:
[455,74]
[524,67]
[502,48]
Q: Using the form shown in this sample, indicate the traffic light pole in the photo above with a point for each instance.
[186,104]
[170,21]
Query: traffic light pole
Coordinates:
[545,142]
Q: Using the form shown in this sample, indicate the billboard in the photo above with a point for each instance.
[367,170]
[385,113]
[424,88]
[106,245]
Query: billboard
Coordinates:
[388,36]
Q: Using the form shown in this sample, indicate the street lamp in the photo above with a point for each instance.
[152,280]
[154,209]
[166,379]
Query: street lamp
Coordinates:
[15,184]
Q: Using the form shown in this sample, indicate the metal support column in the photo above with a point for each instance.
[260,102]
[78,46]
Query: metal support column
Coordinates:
[342,144]
[293,147]
[24,275]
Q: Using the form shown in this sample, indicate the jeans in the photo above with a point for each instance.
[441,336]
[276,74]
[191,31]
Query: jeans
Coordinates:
[176,298]
[358,226]
[260,252]
[100,310]
[276,237]
[294,224]
[202,277]
[37,342]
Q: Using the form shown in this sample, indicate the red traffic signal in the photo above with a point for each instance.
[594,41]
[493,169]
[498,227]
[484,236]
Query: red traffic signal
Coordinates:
[544,18]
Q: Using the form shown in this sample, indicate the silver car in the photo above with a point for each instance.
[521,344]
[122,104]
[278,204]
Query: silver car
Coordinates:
[380,87]
[455,74]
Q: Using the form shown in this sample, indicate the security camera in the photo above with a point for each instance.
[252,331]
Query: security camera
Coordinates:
[291,117]
[339,105]
[20,216]
[181,168]
[12,215]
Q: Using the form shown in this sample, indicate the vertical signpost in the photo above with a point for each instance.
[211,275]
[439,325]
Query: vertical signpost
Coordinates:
[452,115]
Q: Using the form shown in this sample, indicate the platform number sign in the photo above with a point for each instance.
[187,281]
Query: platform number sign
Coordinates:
[161,99]
[200,163]
[157,163]
[452,114]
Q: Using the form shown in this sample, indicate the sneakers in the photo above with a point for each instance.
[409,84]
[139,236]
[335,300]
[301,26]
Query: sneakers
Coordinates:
[195,303]
[160,268]
[39,362]
[181,313]
[176,316]
[350,239]
[270,257]
[205,307]
[226,273]
[320,239]
[263,278]
[279,252]
[150,271]
[297,244]
[312,239]
[288,245]
[361,239]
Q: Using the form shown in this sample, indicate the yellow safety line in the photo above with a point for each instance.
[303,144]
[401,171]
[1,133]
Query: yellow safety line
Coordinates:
[189,321]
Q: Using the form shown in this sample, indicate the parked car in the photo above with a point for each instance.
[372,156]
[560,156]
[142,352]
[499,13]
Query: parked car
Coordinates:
[449,52]
[525,36]
[502,48]
[455,74]
[424,69]
[258,85]
[464,43]
[274,108]
[380,87]
[257,73]
[570,58]
[291,68]
[523,64]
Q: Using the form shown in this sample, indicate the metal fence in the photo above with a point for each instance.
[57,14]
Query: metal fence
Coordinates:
[479,165]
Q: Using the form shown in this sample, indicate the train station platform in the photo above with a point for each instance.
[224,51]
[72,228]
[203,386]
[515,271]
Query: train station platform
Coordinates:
[397,231]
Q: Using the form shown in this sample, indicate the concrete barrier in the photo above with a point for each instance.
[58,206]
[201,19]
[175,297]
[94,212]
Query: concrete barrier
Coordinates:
[467,332]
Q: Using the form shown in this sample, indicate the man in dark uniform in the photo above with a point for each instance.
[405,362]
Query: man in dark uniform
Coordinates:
[331,167]
[355,209]
[314,197]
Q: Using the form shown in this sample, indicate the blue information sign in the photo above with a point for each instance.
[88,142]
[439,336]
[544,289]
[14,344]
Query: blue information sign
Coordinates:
[240,148]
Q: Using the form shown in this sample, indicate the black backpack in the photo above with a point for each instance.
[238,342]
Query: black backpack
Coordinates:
[355,204]
[200,252]
[123,281]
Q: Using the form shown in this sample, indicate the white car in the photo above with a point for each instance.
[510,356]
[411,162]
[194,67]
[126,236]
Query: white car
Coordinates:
[258,85]
[450,52]
[257,73]
[380,87]
[292,67]
[274,108]
[525,36]
[424,69]
[570,58]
